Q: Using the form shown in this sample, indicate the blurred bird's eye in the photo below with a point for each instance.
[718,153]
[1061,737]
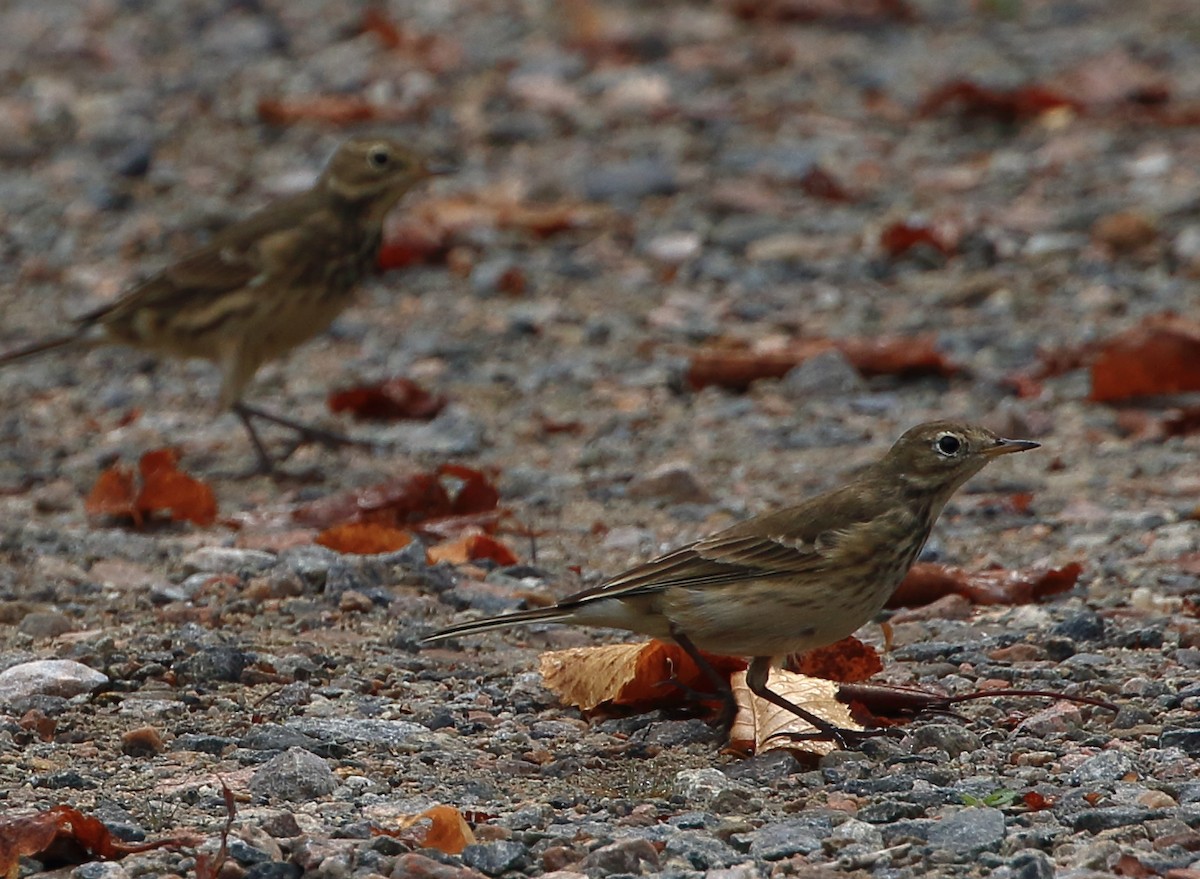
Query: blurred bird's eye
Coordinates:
[948,444]
[379,157]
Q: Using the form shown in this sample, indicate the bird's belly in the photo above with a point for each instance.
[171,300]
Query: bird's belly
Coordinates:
[769,618]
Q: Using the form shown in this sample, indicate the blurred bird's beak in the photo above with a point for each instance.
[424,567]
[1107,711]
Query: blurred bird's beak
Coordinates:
[1008,446]
[438,167]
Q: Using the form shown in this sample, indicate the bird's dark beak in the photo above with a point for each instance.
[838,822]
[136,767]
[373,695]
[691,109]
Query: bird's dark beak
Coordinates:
[439,167]
[1008,446]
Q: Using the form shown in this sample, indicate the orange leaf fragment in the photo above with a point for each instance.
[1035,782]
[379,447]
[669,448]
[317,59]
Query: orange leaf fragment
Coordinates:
[847,661]
[393,400]
[899,238]
[1161,355]
[448,830]
[819,183]
[914,356]
[758,723]
[165,487]
[926,582]
[1008,106]
[112,495]
[30,835]
[330,109]
[471,546]
[364,538]
[628,674]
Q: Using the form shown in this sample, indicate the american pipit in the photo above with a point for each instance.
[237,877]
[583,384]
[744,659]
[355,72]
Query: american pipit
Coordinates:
[792,580]
[265,284]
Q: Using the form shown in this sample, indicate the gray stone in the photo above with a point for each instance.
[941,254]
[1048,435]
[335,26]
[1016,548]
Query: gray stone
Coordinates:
[632,180]
[699,787]
[1105,766]
[63,678]
[1086,625]
[623,856]
[228,560]
[765,768]
[453,432]
[700,850]
[100,870]
[274,870]
[311,563]
[494,858]
[388,733]
[969,830]
[855,832]
[1031,864]
[295,775]
[212,664]
[1096,820]
[674,482]
[44,624]
[799,836]
[948,737]
[825,375]
[1186,739]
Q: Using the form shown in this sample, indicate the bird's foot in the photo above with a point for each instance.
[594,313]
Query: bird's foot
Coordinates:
[305,434]
[846,739]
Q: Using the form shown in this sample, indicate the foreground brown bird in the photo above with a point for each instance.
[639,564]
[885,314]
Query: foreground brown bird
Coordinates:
[793,580]
[265,284]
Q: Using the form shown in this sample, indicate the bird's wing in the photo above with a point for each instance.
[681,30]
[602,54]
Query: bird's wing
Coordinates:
[236,259]
[780,544]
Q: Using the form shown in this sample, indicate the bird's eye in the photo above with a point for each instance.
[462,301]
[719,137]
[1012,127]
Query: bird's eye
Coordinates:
[379,157]
[948,444]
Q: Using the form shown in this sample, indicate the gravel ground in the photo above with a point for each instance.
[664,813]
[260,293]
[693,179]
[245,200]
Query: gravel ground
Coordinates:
[678,140]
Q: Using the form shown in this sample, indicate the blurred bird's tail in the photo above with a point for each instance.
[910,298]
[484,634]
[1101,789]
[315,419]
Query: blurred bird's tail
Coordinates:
[474,627]
[40,348]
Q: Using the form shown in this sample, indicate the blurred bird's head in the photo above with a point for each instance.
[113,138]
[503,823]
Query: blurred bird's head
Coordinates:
[374,170]
[937,457]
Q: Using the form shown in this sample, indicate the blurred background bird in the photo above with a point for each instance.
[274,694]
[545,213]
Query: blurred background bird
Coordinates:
[265,284]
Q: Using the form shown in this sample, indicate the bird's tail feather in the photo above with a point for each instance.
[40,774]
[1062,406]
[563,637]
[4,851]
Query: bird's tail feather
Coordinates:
[474,627]
[40,348]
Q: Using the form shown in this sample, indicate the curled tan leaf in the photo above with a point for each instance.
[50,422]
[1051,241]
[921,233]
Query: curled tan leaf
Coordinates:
[757,720]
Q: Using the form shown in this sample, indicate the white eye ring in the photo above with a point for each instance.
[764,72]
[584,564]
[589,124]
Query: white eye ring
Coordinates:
[378,157]
[948,445]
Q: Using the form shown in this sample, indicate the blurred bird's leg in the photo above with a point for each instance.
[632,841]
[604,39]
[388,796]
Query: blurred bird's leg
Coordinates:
[305,433]
[723,691]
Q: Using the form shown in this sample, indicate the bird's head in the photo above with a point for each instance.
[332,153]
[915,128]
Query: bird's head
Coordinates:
[937,457]
[376,170]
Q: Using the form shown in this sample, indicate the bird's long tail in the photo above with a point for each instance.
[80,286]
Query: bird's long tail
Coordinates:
[40,348]
[474,627]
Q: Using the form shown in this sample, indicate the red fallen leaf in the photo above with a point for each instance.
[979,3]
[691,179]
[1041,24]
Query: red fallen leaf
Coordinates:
[909,357]
[375,21]
[1036,802]
[364,538]
[1128,865]
[471,547]
[1182,422]
[848,12]
[31,835]
[412,499]
[899,238]
[475,495]
[330,109]
[392,400]
[1008,106]
[819,183]
[112,495]
[846,661]
[1161,355]
[927,582]
[164,487]
[412,243]
[737,368]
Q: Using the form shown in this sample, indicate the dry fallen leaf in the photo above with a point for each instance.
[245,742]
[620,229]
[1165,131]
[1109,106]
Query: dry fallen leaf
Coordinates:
[846,661]
[927,582]
[393,400]
[471,546]
[628,674]
[163,488]
[364,538]
[441,827]
[1161,355]
[758,720]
